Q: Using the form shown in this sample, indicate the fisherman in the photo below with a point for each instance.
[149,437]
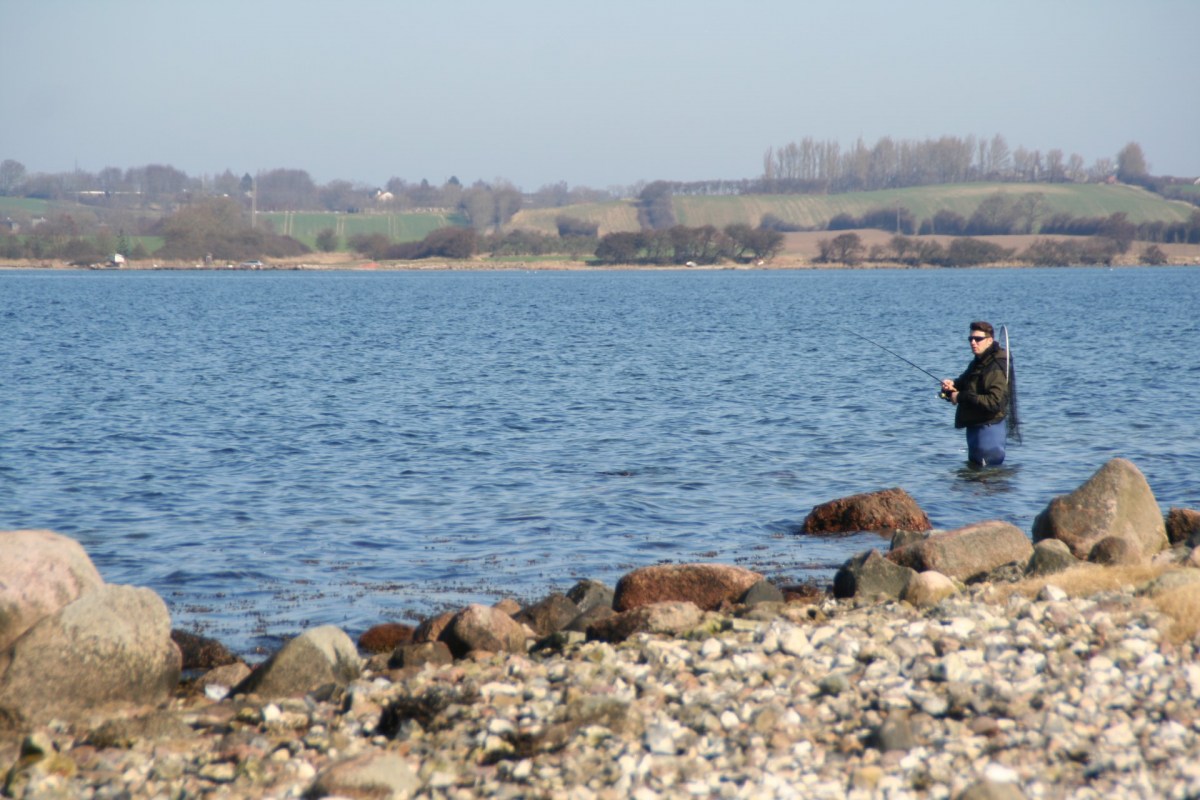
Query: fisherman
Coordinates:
[984,397]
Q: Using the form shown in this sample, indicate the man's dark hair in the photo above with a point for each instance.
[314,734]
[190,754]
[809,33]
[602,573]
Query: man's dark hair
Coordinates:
[984,327]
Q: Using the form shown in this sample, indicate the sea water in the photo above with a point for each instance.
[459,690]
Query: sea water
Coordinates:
[271,451]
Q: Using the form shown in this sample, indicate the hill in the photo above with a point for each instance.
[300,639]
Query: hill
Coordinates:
[813,212]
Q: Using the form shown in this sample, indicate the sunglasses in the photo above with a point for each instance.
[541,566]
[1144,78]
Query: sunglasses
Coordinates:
[976,338]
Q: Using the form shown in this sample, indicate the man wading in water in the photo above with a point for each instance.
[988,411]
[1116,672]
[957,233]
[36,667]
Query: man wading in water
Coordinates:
[985,398]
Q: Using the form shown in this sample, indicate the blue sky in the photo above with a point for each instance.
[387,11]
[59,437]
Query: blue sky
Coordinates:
[592,93]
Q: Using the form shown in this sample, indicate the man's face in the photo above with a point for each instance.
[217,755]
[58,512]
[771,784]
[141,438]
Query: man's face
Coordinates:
[980,341]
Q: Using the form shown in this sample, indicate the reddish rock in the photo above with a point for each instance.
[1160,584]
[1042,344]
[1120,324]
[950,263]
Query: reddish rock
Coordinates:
[1115,501]
[385,637]
[871,575]
[40,572]
[478,627]
[1182,525]
[706,585]
[671,618]
[967,552]
[200,652]
[885,511]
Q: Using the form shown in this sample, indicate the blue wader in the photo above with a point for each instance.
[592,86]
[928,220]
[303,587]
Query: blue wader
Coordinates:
[985,444]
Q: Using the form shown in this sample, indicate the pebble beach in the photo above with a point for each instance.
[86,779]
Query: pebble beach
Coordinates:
[992,693]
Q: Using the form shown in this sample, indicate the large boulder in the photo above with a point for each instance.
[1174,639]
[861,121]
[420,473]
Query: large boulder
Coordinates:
[1115,502]
[706,585]
[112,646]
[479,627]
[967,552]
[885,511]
[313,659]
[871,575]
[40,572]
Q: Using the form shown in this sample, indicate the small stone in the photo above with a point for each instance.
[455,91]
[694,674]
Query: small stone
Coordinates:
[1051,594]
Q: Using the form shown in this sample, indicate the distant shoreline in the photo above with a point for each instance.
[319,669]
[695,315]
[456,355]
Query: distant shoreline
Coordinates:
[800,253]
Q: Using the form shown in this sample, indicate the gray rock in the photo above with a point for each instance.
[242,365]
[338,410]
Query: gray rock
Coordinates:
[589,594]
[871,575]
[40,572]
[762,592]
[550,614]
[593,614]
[1116,501]
[112,646]
[313,659]
[905,538]
[968,551]
[1050,556]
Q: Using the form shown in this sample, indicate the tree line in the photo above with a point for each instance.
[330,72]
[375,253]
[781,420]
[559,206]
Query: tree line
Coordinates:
[811,166]
[1002,214]
[967,251]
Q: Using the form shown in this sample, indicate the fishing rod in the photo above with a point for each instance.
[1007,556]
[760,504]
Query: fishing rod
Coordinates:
[897,355]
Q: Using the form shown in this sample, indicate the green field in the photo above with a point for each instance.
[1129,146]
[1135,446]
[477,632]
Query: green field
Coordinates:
[305,226]
[23,205]
[814,211]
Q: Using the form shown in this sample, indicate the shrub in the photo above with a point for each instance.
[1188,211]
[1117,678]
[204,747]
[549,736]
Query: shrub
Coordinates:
[844,249]
[969,252]
[570,226]
[327,240]
[1154,256]
[620,247]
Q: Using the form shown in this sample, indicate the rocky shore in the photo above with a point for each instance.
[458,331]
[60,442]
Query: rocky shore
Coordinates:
[1070,672]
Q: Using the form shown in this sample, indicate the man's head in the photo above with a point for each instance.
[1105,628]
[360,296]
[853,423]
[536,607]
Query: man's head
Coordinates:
[980,336]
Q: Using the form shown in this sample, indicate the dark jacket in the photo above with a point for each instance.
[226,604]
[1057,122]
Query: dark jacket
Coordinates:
[983,389]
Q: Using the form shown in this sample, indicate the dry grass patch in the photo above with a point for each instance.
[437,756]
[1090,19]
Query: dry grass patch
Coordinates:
[1086,580]
[1180,604]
